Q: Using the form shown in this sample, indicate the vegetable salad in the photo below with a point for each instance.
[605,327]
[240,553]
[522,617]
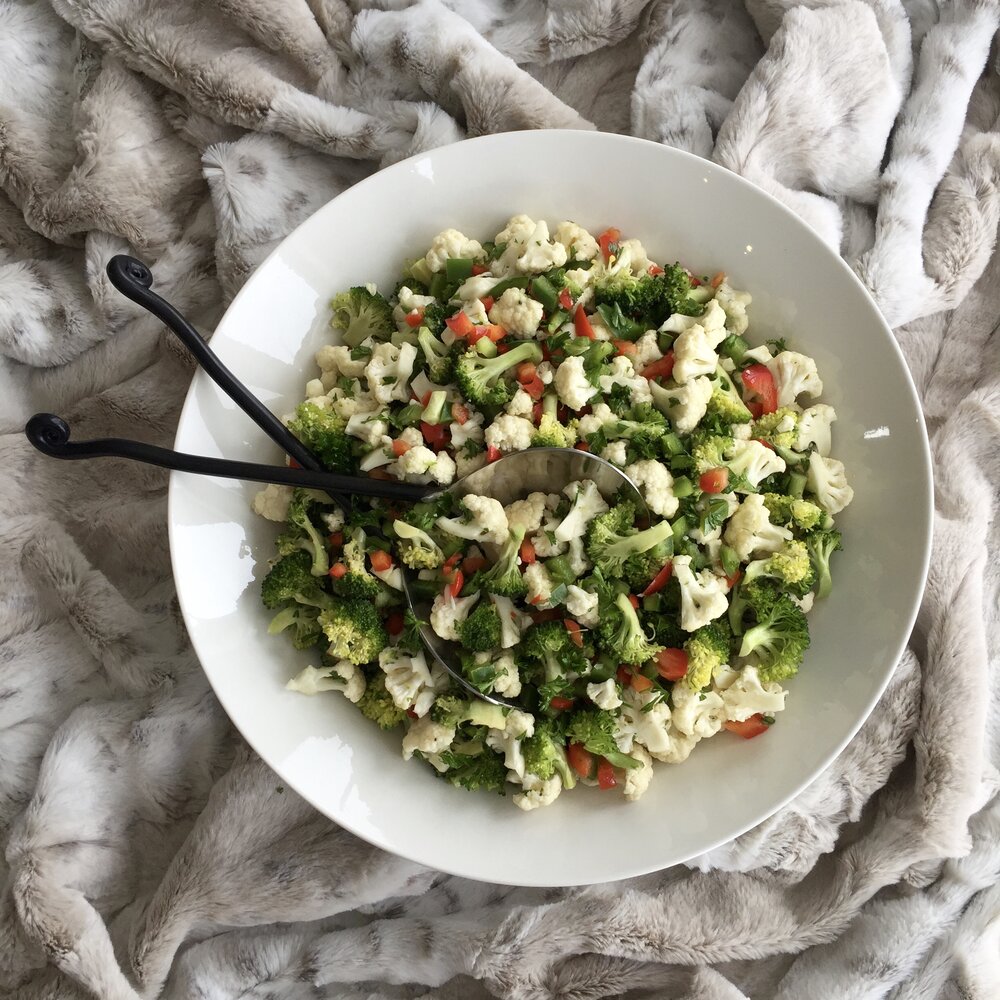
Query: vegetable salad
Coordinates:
[620,640]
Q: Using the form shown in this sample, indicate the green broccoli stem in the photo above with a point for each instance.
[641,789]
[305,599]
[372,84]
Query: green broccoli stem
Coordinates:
[550,405]
[796,484]
[492,368]
[641,541]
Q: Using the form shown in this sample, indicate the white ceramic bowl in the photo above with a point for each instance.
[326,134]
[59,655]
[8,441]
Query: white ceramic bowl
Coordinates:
[681,207]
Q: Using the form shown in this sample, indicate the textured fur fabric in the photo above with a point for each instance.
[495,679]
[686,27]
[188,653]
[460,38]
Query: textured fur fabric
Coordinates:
[147,852]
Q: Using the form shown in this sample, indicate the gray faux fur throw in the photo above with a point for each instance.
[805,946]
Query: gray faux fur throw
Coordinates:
[147,852]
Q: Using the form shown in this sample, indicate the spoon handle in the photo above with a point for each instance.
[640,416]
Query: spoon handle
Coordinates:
[134,280]
[50,435]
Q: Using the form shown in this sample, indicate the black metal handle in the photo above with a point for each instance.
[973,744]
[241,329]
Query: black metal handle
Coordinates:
[134,280]
[50,435]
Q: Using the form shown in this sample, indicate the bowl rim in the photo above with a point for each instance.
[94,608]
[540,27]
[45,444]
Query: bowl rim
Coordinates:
[836,260]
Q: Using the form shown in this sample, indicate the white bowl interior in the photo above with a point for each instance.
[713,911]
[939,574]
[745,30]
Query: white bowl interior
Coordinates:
[681,207]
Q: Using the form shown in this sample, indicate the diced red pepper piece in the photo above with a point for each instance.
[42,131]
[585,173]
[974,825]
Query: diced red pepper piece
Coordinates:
[457,583]
[381,561]
[749,728]
[660,580]
[527,552]
[634,601]
[436,435]
[479,268]
[581,323]
[660,369]
[714,481]
[395,623]
[460,324]
[654,270]
[564,299]
[605,775]
[760,382]
[580,759]
[575,632]
[400,448]
[492,453]
[672,664]
[338,570]
[561,704]
[608,242]
[415,317]
[488,302]
[336,539]
[459,413]
[473,564]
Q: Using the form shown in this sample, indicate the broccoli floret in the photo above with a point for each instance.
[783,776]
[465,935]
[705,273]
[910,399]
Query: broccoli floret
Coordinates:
[766,427]
[725,404]
[437,355]
[790,565]
[480,379]
[359,314]
[482,771]
[434,316]
[357,583]
[304,623]
[504,576]
[323,432]
[416,548]
[291,579]
[611,540]
[354,630]
[784,509]
[545,753]
[707,648]
[480,632]
[377,704]
[651,298]
[596,731]
[640,569]
[551,433]
[551,645]
[821,545]
[622,634]
[301,533]
[779,640]
[709,451]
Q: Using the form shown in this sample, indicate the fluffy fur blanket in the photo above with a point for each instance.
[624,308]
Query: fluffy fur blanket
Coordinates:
[147,852]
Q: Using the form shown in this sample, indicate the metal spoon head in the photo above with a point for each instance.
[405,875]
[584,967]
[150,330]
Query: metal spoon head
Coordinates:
[513,477]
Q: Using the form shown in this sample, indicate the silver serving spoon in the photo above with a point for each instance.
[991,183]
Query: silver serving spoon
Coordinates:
[508,479]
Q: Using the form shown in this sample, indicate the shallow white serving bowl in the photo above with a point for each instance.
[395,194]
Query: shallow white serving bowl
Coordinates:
[681,207]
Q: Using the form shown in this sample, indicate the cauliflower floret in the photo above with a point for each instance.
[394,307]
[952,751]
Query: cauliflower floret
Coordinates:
[741,432]
[804,603]
[421,465]
[645,720]
[526,513]
[314,388]
[647,350]
[520,405]
[746,696]
[754,460]
[508,679]
[587,503]
[517,312]
[750,532]
[633,253]
[379,456]
[577,556]
[408,301]
[545,372]
[488,521]
[334,520]
[623,373]
[814,428]
[592,422]
[605,694]
[827,480]
[478,286]
[712,320]
[536,576]
[577,241]
[686,404]
[695,713]
[545,542]
[512,622]
[356,400]
[703,596]
[336,361]
[706,538]
[572,386]
[412,684]
[694,352]
[518,229]
[272,502]
[637,779]
[476,311]
[471,430]
[762,355]
[540,253]
[343,676]
[794,374]
[734,303]
[367,427]
[508,433]
[448,612]
[582,605]
[513,755]
[616,453]
[656,485]
[450,243]
[427,736]
[538,792]
[390,362]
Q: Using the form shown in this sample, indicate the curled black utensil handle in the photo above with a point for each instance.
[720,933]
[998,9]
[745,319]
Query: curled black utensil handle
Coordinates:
[50,435]
[134,280]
